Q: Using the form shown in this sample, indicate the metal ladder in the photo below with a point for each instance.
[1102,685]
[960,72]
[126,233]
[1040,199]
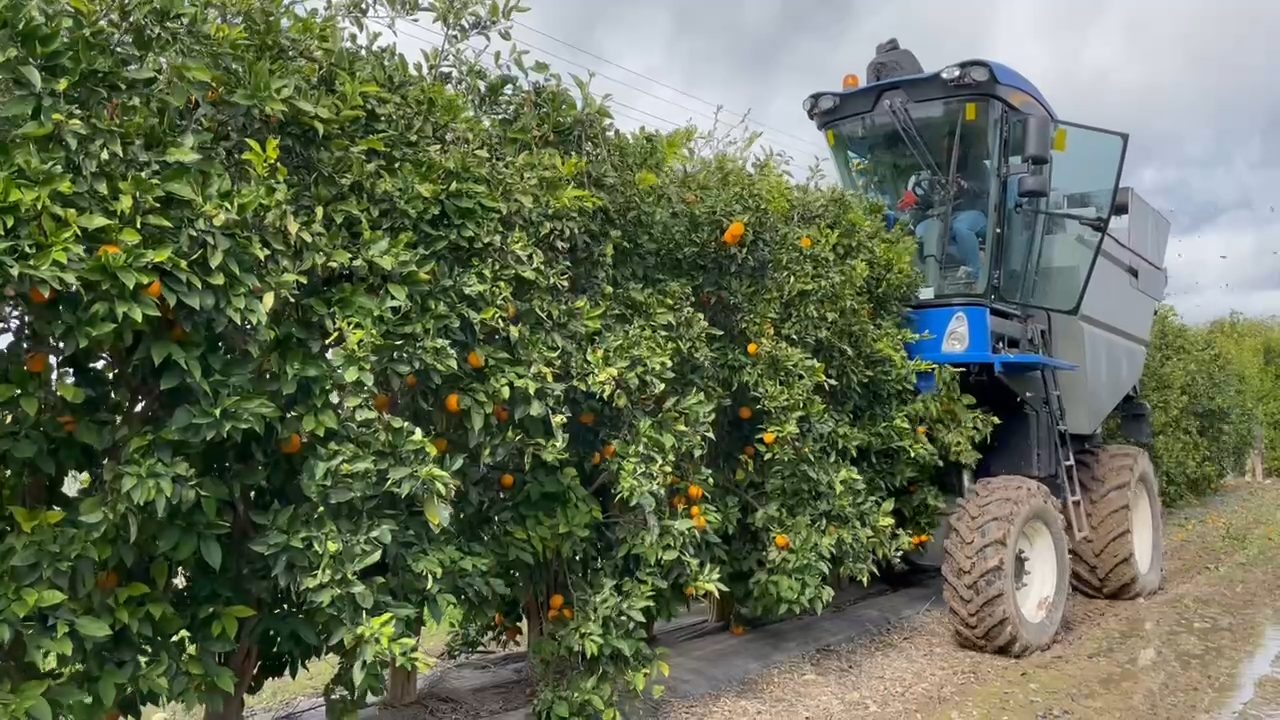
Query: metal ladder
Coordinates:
[1066,456]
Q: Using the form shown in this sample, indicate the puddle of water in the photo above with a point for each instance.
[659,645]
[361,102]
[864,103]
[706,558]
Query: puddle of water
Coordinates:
[1266,661]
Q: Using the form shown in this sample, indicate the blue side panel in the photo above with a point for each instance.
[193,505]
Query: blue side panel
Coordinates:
[931,325]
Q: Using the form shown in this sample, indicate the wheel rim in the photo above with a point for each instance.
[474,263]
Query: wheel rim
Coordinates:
[1140,526]
[1035,573]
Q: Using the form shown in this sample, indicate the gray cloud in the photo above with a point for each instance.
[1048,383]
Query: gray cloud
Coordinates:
[1191,82]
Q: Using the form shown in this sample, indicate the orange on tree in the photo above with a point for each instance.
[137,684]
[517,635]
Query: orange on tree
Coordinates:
[921,430]
[501,413]
[695,511]
[507,481]
[744,413]
[154,290]
[40,298]
[513,633]
[453,403]
[440,444]
[769,438]
[511,311]
[177,333]
[112,715]
[699,523]
[37,362]
[678,502]
[68,423]
[109,250]
[596,459]
[587,418]
[381,402]
[608,451]
[556,601]
[733,234]
[107,581]
[411,381]
[499,620]
[475,360]
[749,451]
[753,349]
[690,591]
[806,242]
[782,542]
[553,614]
[695,493]
[567,613]
[736,629]
[291,444]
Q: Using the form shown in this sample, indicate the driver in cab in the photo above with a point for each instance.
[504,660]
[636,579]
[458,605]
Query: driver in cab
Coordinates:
[925,203]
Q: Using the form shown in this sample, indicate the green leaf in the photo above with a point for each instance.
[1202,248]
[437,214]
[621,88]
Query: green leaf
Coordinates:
[32,75]
[181,155]
[106,690]
[90,626]
[71,393]
[7,391]
[50,597]
[240,611]
[268,300]
[211,551]
[30,405]
[27,519]
[39,709]
[92,221]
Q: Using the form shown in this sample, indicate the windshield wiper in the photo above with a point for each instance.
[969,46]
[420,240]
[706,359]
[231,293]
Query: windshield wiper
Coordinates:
[1096,223]
[910,133]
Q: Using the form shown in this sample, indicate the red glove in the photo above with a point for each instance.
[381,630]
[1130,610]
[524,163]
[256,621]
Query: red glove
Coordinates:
[908,201]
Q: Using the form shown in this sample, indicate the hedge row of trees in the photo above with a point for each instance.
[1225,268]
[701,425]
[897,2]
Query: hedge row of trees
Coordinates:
[1211,388]
[309,345]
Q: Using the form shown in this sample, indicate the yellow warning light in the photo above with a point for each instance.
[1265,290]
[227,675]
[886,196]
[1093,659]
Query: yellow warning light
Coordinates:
[851,82]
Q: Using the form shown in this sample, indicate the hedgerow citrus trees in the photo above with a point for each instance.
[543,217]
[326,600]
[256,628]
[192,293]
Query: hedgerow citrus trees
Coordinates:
[306,342]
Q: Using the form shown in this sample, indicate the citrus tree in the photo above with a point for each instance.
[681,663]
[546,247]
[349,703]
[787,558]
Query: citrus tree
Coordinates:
[209,285]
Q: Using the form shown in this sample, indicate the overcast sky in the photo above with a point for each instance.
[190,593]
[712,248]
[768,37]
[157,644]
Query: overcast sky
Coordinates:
[1194,83]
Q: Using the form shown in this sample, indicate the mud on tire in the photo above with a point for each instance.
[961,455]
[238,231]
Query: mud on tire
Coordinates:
[1108,563]
[982,558]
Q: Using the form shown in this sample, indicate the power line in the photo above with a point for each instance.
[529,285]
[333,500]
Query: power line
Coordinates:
[593,71]
[656,81]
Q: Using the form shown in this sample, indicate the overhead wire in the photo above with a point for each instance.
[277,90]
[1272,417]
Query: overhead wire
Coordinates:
[775,141]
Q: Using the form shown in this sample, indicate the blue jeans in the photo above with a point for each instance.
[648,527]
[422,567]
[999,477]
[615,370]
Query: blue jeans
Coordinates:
[966,226]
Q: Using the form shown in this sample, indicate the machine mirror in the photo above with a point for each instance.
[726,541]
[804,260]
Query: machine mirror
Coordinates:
[1031,187]
[1037,139]
[1120,207]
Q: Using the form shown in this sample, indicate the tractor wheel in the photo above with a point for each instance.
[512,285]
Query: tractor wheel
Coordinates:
[1123,556]
[1005,570]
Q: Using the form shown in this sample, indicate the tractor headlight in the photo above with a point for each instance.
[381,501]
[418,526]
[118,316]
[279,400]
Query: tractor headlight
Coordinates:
[950,72]
[827,102]
[956,339]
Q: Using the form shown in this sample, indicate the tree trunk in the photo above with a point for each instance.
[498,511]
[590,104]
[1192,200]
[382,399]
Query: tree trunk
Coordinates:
[402,687]
[722,608]
[244,663]
[1256,457]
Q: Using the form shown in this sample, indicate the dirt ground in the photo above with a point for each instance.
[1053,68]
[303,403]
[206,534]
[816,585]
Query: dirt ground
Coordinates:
[1206,646]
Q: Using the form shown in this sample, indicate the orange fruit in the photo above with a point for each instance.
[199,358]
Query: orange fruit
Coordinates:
[112,715]
[769,438]
[567,613]
[921,430]
[40,298]
[689,591]
[806,243]
[499,620]
[453,404]
[154,290]
[68,423]
[678,502]
[411,381]
[475,360]
[555,602]
[744,413]
[733,234]
[381,402]
[507,481]
[177,333]
[782,542]
[501,413]
[752,349]
[553,614]
[511,311]
[291,444]
[441,445]
[608,451]
[595,458]
[37,362]
[749,451]
[107,581]
[695,511]
[737,629]
[699,523]
[694,492]
[513,633]
[109,250]
[587,418]
[212,95]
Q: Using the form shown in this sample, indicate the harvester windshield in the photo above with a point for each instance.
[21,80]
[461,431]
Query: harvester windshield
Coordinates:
[934,165]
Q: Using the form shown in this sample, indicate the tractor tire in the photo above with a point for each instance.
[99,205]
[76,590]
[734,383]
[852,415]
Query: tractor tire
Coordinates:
[1123,556]
[1005,570]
